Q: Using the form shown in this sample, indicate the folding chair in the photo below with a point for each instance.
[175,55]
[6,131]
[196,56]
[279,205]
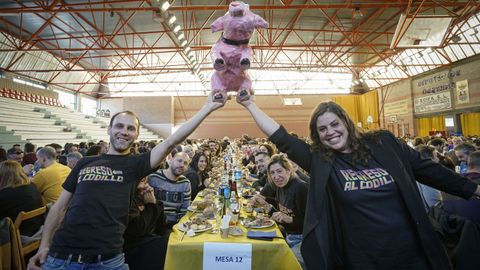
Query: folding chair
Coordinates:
[34,244]
[10,257]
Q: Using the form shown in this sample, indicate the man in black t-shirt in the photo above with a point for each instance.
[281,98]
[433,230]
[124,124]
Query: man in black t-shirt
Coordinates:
[85,226]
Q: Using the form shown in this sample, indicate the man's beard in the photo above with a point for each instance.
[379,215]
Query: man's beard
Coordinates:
[177,172]
[118,149]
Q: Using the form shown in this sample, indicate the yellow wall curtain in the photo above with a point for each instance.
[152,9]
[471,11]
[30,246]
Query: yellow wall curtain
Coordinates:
[360,107]
[350,104]
[470,123]
[427,124]
[369,106]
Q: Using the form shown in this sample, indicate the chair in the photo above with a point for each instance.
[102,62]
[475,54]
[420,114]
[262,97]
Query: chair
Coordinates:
[9,93]
[10,257]
[32,244]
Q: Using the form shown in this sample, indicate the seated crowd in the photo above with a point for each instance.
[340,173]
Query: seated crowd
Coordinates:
[170,175]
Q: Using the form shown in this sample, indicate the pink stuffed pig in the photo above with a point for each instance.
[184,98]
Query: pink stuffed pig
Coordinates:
[232,55]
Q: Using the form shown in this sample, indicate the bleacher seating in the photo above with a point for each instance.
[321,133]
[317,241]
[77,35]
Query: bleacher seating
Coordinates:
[39,122]
[19,95]
[19,123]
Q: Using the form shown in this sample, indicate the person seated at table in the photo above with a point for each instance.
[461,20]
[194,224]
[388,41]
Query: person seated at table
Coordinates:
[196,173]
[288,209]
[430,196]
[18,194]
[214,148]
[188,149]
[266,148]
[248,159]
[172,188]
[261,162]
[145,244]
[206,150]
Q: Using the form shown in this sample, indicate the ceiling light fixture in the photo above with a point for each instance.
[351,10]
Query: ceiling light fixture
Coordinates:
[172,19]
[176,29]
[165,6]
[165,16]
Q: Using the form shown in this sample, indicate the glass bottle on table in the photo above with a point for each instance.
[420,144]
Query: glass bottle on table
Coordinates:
[234,203]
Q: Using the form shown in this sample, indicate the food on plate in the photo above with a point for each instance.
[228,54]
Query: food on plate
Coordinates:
[196,224]
[209,212]
[200,205]
[261,222]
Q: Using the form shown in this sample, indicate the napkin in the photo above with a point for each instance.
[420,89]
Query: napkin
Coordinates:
[261,235]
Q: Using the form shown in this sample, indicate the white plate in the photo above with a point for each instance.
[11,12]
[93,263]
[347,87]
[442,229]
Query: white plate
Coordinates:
[270,223]
[181,227]
[192,210]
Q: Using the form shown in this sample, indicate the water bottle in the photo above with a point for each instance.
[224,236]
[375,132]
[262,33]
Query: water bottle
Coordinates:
[237,174]
[226,192]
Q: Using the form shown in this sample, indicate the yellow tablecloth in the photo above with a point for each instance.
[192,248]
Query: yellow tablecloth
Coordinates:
[188,253]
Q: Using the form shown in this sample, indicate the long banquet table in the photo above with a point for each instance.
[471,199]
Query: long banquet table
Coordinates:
[185,252]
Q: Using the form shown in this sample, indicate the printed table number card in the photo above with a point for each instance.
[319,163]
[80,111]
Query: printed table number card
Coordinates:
[229,256]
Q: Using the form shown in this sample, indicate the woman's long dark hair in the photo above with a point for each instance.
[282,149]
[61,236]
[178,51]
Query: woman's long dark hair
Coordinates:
[196,159]
[355,140]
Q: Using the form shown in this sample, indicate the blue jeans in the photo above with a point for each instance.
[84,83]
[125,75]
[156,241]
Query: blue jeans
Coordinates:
[115,263]
[294,241]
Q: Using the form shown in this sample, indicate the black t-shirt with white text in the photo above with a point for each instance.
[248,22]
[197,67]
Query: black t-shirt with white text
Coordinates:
[377,230]
[102,188]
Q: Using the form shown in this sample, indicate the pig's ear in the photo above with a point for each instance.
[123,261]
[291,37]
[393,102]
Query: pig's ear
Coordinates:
[217,25]
[260,22]
[247,7]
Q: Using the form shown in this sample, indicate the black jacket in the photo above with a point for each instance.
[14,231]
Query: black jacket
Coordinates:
[402,162]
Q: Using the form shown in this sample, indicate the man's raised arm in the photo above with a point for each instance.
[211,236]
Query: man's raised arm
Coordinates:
[163,149]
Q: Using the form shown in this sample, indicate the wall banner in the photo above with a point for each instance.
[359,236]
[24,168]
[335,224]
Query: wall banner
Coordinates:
[462,92]
[395,108]
[432,103]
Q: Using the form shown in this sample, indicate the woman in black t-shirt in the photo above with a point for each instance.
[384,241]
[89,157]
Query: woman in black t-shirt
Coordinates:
[363,209]
[197,174]
[18,194]
[288,207]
